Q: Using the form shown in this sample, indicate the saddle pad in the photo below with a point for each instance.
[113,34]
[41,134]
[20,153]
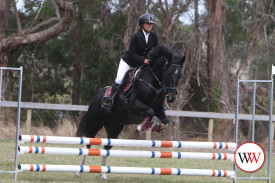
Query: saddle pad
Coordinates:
[108,92]
[127,88]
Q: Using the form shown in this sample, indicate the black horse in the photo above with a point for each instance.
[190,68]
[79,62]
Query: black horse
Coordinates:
[145,99]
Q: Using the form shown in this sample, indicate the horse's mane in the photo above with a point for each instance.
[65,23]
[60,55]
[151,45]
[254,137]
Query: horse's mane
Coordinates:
[158,51]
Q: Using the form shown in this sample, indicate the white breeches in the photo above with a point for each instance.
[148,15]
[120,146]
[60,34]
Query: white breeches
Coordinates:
[122,69]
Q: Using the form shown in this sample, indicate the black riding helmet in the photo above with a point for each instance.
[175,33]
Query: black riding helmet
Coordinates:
[146,18]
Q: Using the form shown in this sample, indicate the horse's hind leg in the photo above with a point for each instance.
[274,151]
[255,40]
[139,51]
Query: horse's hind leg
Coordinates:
[113,131]
[83,159]
[91,133]
[103,163]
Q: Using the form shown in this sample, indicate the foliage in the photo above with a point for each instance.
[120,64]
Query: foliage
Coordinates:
[49,67]
[216,102]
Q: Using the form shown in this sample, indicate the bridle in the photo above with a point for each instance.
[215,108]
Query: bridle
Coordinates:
[173,89]
[161,84]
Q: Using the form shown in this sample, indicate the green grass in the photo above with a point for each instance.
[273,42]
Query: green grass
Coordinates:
[7,157]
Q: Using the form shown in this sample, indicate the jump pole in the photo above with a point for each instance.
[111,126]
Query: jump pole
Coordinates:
[125,153]
[125,170]
[127,143]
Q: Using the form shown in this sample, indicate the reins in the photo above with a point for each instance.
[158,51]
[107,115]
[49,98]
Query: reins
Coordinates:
[157,91]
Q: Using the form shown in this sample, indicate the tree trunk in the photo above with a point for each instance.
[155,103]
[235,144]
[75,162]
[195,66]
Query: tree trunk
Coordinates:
[172,14]
[77,59]
[136,9]
[31,35]
[77,55]
[3,17]
[217,66]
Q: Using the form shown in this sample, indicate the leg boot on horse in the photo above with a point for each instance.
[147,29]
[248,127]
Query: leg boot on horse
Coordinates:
[159,125]
[108,103]
[147,123]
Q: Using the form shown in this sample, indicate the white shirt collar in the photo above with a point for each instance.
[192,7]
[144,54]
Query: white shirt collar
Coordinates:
[146,35]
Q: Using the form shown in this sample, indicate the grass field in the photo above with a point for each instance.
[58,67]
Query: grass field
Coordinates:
[7,157]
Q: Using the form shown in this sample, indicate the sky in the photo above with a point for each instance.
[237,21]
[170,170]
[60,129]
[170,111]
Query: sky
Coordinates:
[20,4]
[185,18]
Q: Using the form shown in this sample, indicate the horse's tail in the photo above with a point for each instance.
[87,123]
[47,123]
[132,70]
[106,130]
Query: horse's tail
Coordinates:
[90,116]
[81,129]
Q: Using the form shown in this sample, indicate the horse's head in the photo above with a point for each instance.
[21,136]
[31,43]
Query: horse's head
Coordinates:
[160,51]
[173,74]
[167,68]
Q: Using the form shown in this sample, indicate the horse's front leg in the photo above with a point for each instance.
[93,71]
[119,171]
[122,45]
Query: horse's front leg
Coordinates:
[160,113]
[142,109]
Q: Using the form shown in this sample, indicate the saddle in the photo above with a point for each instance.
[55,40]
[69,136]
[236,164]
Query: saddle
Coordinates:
[125,86]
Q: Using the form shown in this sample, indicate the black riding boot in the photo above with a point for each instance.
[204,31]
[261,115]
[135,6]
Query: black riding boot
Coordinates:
[108,103]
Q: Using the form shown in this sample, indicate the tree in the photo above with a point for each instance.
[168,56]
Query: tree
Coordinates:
[172,13]
[34,32]
[217,66]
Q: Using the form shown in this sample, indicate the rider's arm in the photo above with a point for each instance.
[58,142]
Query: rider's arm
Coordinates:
[133,51]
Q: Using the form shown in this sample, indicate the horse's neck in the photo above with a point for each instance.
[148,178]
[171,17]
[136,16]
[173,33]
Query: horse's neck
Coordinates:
[158,69]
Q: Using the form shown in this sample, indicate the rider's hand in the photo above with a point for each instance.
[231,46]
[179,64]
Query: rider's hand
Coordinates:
[146,61]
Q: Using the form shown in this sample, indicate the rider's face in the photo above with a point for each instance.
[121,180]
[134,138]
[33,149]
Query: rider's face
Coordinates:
[147,27]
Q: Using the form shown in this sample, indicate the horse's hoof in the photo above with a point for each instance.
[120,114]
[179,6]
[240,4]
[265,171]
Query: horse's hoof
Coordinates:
[158,127]
[137,131]
[103,176]
[78,174]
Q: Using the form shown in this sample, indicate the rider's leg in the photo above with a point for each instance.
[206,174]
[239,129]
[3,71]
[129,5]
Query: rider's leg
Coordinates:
[108,103]
[122,69]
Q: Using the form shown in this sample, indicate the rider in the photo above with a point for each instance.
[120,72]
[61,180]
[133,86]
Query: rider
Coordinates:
[141,43]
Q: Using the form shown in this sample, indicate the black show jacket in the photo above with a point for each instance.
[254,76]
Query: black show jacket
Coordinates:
[138,48]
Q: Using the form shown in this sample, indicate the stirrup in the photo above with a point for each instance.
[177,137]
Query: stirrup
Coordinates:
[107,104]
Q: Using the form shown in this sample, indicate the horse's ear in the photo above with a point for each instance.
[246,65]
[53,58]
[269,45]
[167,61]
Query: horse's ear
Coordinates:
[166,52]
[170,57]
[182,60]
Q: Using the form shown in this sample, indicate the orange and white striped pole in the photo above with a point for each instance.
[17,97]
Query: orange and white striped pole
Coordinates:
[125,153]
[127,143]
[125,170]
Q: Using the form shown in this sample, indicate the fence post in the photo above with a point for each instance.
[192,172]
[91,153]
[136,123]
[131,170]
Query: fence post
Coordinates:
[210,130]
[29,120]
[148,134]
[273,130]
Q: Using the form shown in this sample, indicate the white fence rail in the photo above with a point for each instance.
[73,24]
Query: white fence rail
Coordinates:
[191,114]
